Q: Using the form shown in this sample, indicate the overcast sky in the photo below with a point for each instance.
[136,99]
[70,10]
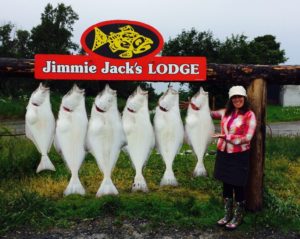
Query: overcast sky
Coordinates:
[221,17]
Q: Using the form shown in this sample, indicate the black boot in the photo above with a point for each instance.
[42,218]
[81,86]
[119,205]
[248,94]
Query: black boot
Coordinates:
[238,216]
[228,205]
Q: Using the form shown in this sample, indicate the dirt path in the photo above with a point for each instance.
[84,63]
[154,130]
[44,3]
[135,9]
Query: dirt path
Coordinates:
[103,228]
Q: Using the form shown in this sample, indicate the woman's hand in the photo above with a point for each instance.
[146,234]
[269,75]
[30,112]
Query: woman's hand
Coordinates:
[218,135]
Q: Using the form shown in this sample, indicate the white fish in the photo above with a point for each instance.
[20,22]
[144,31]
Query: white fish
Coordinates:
[139,133]
[40,125]
[169,132]
[199,128]
[70,136]
[105,137]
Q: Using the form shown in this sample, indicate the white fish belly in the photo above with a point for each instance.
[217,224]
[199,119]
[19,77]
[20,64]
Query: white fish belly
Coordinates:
[169,135]
[140,140]
[41,132]
[199,131]
[105,142]
[71,142]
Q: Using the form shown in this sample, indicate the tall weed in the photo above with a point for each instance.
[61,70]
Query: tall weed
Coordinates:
[282,146]
[18,157]
[25,209]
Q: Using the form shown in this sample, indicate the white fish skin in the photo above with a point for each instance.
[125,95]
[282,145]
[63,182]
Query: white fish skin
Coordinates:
[40,125]
[70,136]
[169,132]
[105,137]
[140,135]
[199,128]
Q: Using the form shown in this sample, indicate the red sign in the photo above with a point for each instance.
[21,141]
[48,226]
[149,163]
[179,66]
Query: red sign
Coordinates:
[58,67]
[120,50]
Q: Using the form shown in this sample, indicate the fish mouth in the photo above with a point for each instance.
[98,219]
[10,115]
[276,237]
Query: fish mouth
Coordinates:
[194,107]
[67,109]
[130,110]
[35,104]
[99,109]
[162,108]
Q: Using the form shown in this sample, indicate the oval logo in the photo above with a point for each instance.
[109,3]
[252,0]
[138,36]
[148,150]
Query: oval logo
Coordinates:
[122,39]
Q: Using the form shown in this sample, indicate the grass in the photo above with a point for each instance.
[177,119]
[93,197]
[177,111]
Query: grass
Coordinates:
[35,201]
[15,108]
[276,113]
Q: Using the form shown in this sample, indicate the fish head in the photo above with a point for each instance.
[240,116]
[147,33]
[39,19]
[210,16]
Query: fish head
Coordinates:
[200,98]
[141,44]
[73,99]
[169,99]
[39,95]
[137,99]
[105,99]
[129,41]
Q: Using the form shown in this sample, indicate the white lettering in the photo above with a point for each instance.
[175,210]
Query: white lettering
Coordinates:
[124,69]
[105,70]
[47,68]
[173,69]
[52,67]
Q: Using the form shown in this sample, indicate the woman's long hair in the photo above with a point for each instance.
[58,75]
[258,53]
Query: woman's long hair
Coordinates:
[230,108]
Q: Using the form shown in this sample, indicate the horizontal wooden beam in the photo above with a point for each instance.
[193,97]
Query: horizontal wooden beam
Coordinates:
[17,67]
[245,74]
[217,73]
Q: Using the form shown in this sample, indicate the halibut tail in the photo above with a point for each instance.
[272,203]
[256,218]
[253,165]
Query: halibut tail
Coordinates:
[107,188]
[45,164]
[74,187]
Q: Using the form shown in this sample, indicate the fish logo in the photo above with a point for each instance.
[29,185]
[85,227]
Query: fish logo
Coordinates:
[122,40]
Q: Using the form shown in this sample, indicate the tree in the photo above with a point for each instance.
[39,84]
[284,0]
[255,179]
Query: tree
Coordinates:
[22,49]
[6,41]
[14,43]
[193,43]
[266,50]
[54,33]
[234,50]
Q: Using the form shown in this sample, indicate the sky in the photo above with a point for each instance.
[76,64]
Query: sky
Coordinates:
[170,17]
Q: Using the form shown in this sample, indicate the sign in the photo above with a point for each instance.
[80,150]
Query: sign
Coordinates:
[120,50]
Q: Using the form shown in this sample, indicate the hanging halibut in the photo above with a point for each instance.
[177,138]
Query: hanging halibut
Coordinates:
[199,128]
[40,125]
[70,135]
[169,132]
[139,133]
[105,137]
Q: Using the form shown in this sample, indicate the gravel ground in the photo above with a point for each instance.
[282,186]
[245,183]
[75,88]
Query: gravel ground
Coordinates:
[109,228]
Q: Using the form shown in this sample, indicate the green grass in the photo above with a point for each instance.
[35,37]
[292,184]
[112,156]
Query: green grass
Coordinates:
[276,113]
[35,201]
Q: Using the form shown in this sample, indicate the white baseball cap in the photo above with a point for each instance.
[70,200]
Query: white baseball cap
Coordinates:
[237,90]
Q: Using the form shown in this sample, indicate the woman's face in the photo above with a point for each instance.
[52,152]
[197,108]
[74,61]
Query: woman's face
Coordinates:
[238,101]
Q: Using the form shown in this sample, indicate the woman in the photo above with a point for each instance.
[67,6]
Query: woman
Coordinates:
[238,125]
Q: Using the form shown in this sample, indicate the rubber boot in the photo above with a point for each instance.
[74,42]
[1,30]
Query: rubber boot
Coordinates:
[238,216]
[228,206]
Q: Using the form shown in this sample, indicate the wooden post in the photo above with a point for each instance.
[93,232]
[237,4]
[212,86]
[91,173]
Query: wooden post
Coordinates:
[257,98]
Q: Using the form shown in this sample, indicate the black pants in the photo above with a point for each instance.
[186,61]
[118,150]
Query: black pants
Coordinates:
[239,192]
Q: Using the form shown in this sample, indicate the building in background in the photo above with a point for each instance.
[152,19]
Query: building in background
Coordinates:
[290,95]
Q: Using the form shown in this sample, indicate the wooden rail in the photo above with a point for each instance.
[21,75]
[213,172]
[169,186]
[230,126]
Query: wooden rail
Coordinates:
[219,73]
